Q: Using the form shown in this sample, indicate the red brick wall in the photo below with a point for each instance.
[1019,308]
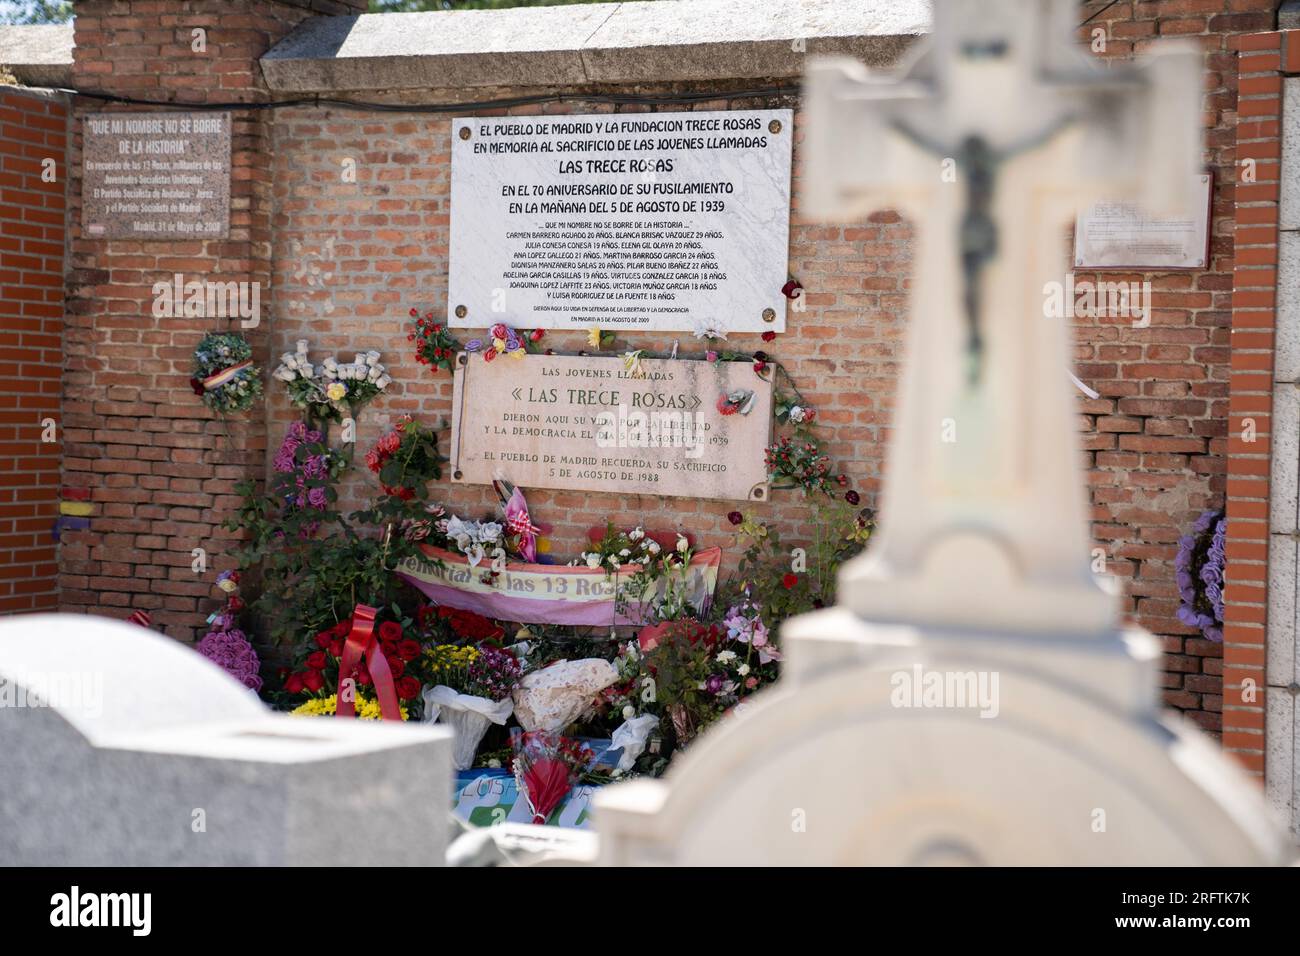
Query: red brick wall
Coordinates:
[161,478]
[33,129]
[1262,60]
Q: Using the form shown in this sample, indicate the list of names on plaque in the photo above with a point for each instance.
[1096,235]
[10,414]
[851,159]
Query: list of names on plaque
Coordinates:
[156,176]
[661,221]
[1121,235]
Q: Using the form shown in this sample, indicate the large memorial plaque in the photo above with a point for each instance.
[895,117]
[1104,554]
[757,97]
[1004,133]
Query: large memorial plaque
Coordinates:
[1121,235]
[584,423]
[662,221]
[156,176]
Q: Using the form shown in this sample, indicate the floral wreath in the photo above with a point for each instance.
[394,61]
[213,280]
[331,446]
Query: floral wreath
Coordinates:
[1198,570]
[224,374]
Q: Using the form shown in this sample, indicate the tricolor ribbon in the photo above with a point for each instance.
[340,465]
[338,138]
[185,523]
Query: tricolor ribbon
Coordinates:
[215,381]
[362,644]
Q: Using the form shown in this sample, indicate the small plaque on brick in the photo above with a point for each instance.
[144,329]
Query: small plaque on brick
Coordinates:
[156,176]
[1122,236]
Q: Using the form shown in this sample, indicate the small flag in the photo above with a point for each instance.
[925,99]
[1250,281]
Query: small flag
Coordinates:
[143,618]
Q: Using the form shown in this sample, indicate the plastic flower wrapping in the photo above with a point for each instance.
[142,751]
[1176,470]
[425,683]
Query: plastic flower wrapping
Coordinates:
[546,766]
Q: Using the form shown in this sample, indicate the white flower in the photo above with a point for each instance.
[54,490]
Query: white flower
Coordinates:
[726,656]
[654,547]
[682,544]
[614,562]
[636,534]
[494,763]
[616,772]
[593,560]
[796,414]
[629,712]
[705,329]
[489,531]
[743,669]
[624,553]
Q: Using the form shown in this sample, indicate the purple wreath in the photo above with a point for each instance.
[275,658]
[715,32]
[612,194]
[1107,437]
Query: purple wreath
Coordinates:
[1199,573]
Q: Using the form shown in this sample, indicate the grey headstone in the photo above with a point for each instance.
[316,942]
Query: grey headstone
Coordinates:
[136,740]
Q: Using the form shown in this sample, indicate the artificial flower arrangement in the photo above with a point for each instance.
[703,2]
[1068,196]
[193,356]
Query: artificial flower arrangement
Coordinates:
[1198,571]
[656,566]
[331,391]
[503,339]
[434,344]
[225,644]
[406,459]
[224,373]
[316,673]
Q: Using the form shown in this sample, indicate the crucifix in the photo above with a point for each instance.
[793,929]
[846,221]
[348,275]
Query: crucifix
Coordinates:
[996,131]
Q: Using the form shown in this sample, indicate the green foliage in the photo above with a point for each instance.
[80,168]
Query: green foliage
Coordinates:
[29,12]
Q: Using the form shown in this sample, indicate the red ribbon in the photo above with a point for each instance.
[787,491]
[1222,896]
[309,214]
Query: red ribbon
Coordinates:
[362,644]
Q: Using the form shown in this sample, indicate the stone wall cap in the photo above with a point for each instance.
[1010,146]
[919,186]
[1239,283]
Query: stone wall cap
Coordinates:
[39,55]
[605,43]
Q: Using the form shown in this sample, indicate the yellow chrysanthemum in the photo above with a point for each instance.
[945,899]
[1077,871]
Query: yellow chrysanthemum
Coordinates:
[593,337]
[328,706]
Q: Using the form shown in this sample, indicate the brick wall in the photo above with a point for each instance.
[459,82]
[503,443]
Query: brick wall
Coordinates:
[161,479]
[349,259]
[33,130]
[352,258]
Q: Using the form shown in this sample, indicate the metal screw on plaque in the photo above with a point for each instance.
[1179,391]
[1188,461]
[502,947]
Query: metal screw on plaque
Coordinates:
[458,474]
[757,493]
[774,126]
[461,311]
[465,132]
[769,315]
[463,358]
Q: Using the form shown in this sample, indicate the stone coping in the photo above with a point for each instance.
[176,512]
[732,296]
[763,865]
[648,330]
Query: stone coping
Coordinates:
[38,55]
[584,44]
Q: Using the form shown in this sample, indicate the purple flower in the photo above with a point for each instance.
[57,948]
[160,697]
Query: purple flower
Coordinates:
[316,498]
[473,345]
[1199,573]
[714,684]
[230,650]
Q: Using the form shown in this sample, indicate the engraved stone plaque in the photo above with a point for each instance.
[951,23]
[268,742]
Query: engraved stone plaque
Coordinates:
[156,176]
[586,423]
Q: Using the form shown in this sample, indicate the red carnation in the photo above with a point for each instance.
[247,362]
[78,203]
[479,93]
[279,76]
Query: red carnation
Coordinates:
[789,580]
[791,289]
[769,336]
[408,688]
[390,631]
[735,517]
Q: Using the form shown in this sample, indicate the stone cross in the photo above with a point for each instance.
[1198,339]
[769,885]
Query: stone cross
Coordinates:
[996,131]
[972,698]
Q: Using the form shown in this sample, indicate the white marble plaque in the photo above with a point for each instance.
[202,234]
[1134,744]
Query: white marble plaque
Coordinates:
[655,221]
[1122,235]
[588,423]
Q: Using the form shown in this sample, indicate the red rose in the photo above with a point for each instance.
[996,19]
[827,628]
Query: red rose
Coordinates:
[769,336]
[396,666]
[390,631]
[789,580]
[791,289]
[294,684]
[489,355]
[324,638]
[408,650]
[342,629]
[536,334]
[317,660]
[313,681]
[363,676]
[197,385]
[408,688]
[336,648]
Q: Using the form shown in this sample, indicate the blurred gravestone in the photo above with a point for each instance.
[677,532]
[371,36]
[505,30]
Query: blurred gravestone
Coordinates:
[124,748]
[973,698]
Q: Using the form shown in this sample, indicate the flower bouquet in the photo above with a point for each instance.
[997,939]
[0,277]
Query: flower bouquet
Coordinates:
[224,374]
[329,390]
[546,766]
[406,459]
[318,669]
[473,691]
[434,344]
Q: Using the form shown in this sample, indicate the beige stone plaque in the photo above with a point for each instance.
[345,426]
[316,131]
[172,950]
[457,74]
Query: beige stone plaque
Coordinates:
[585,423]
[156,176]
[1121,235]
